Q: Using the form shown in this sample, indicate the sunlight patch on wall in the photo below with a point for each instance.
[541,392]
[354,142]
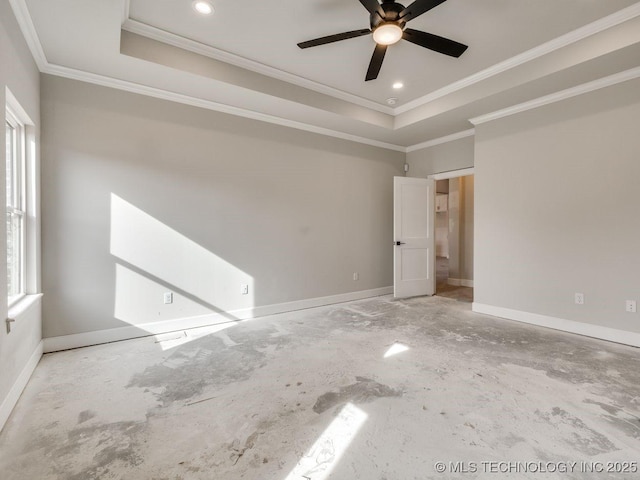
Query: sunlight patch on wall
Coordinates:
[173,261]
[138,300]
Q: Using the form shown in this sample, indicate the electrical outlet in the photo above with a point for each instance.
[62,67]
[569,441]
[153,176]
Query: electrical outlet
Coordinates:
[631,306]
[356,276]
[579,298]
[167,298]
[244,289]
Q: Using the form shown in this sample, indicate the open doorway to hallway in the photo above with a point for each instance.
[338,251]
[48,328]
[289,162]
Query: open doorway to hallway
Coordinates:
[454,237]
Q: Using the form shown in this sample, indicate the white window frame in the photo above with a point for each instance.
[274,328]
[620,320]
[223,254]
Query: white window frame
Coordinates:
[30,206]
[19,200]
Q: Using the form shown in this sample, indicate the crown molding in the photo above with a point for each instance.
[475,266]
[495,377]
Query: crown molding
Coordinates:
[125,11]
[441,140]
[593,28]
[23,17]
[559,96]
[14,107]
[27,27]
[184,43]
[132,87]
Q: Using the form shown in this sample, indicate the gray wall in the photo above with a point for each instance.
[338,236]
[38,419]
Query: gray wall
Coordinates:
[19,73]
[453,155]
[466,228]
[143,196]
[442,234]
[557,201]
[461,224]
[442,223]
[454,227]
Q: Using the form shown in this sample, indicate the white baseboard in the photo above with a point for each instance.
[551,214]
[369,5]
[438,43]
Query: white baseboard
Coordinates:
[571,326]
[18,386]
[460,282]
[65,342]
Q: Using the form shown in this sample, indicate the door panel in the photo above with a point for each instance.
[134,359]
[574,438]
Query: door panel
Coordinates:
[414,224]
[414,264]
[414,228]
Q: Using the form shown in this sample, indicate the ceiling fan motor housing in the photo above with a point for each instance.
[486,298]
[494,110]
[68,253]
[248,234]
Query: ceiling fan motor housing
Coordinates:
[391,13]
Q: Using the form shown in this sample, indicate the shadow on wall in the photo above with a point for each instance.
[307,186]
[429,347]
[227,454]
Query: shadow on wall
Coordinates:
[154,259]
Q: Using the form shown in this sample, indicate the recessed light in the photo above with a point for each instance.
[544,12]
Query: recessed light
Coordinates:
[392,101]
[203,7]
[398,85]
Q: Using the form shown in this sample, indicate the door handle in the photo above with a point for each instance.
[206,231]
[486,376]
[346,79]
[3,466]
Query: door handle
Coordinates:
[399,243]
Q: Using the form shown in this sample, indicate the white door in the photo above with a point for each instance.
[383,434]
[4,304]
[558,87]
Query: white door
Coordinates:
[414,237]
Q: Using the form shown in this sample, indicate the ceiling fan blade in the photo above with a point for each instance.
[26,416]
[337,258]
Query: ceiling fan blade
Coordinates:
[376,62]
[373,7]
[417,8]
[333,38]
[434,42]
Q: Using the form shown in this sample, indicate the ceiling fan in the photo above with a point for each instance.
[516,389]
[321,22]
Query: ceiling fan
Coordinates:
[388,22]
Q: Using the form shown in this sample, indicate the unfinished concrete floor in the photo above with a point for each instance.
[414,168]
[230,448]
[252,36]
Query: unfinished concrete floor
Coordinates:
[324,393]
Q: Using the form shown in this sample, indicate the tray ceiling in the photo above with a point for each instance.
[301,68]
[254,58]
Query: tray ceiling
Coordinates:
[243,59]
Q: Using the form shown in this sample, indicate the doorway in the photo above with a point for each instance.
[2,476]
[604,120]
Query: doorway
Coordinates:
[454,219]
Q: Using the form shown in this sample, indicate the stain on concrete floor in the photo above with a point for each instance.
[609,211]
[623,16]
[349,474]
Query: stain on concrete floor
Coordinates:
[255,400]
[364,390]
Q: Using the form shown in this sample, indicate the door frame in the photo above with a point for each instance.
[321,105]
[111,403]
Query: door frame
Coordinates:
[462,172]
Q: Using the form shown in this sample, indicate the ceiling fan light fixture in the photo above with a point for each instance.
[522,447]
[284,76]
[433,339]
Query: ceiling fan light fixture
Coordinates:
[388,24]
[387,33]
[203,7]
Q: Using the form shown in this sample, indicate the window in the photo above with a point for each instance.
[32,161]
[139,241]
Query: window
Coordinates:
[15,198]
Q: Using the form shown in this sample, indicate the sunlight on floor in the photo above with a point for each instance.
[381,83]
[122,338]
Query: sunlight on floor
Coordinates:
[322,457]
[167,341]
[395,349]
